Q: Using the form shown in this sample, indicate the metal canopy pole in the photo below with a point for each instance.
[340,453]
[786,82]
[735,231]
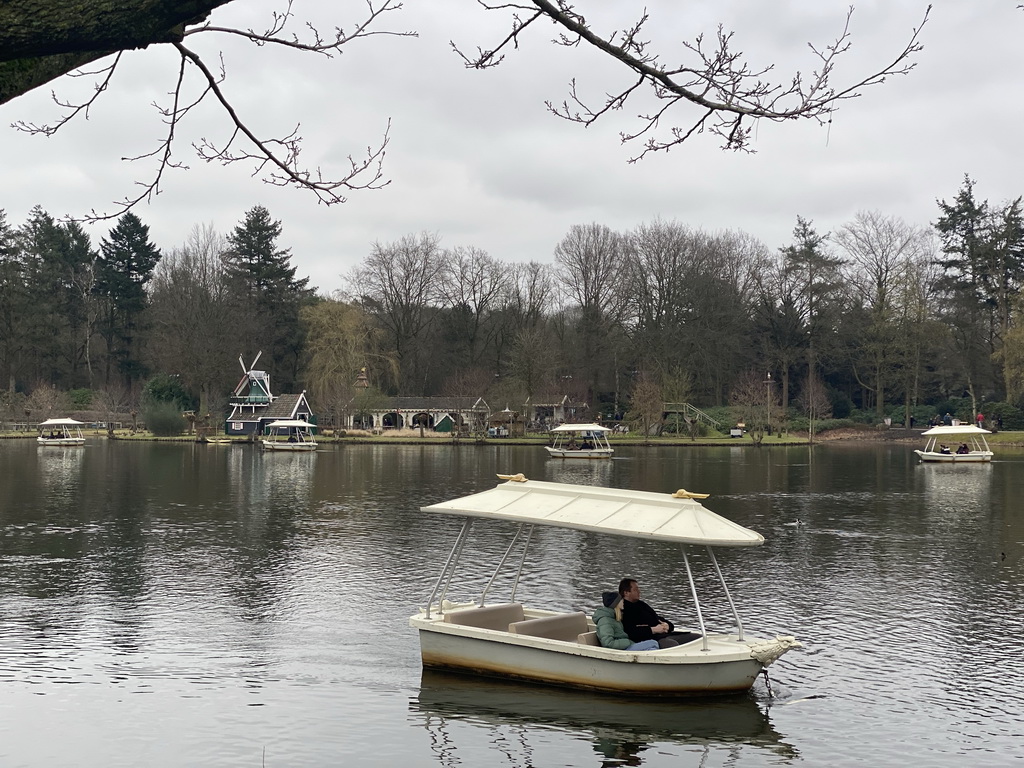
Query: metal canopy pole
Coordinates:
[526,548]
[696,602]
[739,624]
[501,562]
[456,550]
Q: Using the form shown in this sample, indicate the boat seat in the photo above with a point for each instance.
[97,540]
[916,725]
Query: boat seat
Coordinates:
[588,638]
[563,626]
[497,616]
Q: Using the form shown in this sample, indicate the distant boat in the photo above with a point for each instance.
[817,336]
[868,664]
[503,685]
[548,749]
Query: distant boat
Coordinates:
[289,435]
[956,444]
[580,441]
[56,432]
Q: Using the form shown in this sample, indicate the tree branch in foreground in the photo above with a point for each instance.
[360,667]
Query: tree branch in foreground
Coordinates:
[729,93]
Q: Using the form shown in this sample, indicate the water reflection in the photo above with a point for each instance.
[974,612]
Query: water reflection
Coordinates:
[956,486]
[580,472]
[620,730]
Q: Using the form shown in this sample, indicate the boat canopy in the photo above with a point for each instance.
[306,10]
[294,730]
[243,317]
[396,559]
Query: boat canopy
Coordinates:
[580,428]
[287,423]
[638,514]
[61,423]
[962,429]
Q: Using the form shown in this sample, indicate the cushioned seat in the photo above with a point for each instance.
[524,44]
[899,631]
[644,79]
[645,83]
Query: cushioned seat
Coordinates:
[497,616]
[563,626]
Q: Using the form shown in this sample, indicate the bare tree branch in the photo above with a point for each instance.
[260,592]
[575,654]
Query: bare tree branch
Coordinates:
[49,129]
[730,93]
[274,159]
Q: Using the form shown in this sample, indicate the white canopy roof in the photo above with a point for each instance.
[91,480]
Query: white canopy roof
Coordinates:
[640,514]
[963,429]
[285,423]
[580,428]
[61,423]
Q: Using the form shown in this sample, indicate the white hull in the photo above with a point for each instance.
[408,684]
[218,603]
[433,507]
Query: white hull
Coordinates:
[728,666]
[565,453]
[955,458]
[271,445]
[60,441]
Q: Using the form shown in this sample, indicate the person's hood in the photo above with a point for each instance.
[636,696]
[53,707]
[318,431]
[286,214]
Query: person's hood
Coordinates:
[603,612]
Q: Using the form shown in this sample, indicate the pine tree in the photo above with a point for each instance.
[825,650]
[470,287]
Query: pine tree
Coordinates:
[14,301]
[263,279]
[124,268]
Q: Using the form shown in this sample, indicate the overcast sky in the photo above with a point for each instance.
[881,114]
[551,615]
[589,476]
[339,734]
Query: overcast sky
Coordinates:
[476,158]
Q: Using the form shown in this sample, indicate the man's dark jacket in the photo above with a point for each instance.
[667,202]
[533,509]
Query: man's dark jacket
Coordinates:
[638,618]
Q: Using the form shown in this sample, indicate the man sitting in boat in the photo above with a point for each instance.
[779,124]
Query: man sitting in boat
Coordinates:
[642,622]
[944,449]
[963,448]
[610,632]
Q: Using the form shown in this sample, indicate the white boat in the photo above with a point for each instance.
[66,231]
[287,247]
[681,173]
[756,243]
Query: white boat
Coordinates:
[54,432]
[956,444]
[289,435]
[580,441]
[508,639]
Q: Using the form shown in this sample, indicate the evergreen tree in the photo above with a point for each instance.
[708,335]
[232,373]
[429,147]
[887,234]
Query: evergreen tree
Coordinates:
[964,230]
[14,301]
[125,265]
[263,280]
[816,283]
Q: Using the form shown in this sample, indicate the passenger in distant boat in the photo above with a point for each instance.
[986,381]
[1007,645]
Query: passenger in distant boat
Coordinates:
[944,449]
[610,632]
[291,438]
[643,623]
[963,448]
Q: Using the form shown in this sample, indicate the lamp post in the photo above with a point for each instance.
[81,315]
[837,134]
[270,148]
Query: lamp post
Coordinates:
[768,403]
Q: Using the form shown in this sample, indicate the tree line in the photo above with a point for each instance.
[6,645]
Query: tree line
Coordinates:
[879,315]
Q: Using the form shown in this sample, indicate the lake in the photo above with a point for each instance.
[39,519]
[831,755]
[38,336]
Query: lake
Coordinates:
[193,605]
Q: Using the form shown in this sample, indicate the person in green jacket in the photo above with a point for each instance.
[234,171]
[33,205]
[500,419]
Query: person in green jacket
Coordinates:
[610,633]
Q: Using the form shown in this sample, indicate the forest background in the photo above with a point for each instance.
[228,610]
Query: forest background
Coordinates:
[877,319]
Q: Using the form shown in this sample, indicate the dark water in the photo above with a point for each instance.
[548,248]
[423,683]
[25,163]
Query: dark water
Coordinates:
[183,605]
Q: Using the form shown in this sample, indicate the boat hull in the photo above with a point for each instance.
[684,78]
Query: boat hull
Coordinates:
[58,442]
[955,458]
[270,445]
[564,453]
[728,666]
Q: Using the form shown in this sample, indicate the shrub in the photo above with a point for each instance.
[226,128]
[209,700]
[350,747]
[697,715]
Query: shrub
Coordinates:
[80,399]
[164,419]
[1012,418]
[164,388]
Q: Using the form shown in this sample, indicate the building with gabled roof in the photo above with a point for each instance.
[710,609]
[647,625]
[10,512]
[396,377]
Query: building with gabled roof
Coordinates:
[253,405]
[441,414]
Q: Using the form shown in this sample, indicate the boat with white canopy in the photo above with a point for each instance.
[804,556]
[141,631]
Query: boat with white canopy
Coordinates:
[289,435]
[61,432]
[508,639]
[580,441]
[963,443]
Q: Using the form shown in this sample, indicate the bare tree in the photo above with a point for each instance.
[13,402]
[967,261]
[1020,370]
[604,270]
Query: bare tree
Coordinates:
[399,284]
[590,263]
[46,402]
[647,404]
[340,341]
[879,251]
[472,286]
[193,316]
[754,394]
